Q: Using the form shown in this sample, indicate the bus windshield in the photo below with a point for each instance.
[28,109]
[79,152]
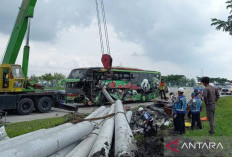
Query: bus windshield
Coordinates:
[78,74]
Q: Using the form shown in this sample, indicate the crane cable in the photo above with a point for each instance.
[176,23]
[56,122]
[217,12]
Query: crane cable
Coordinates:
[99,27]
[105,27]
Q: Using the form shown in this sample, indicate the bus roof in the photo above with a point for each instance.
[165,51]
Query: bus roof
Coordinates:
[122,69]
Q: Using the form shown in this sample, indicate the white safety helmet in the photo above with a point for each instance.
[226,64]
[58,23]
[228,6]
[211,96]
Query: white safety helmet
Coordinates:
[140,109]
[181,90]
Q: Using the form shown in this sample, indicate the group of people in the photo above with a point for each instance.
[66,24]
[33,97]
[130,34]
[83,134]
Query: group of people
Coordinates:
[180,108]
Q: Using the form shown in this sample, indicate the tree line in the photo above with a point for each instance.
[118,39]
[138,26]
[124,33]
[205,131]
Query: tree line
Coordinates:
[48,79]
[179,81]
[182,80]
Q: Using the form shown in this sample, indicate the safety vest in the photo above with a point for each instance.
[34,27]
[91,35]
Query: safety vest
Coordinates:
[181,104]
[162,86]
[195,105]
[146,116]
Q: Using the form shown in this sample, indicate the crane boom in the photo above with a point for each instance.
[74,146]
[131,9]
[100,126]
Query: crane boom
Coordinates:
[26,11]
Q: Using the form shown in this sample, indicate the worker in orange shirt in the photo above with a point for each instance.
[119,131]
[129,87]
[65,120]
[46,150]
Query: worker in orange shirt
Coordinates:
[162,88]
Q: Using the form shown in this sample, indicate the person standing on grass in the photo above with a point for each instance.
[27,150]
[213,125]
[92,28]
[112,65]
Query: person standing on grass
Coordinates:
[181,105]
[195,107]
[210,95]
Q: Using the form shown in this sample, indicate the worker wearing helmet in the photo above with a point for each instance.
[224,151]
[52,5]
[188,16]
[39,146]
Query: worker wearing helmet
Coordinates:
[198,94]
[195,109]
[181,110]
[148,120]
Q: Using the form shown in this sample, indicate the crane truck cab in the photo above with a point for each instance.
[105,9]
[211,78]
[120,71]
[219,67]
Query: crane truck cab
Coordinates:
[11,78]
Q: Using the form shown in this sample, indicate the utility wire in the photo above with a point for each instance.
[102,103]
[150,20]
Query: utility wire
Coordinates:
[99,27]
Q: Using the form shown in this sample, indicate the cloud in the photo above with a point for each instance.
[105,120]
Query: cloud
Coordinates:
[50,16]
[174,37]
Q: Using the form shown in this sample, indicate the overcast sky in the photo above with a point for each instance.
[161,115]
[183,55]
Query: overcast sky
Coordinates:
[170,36]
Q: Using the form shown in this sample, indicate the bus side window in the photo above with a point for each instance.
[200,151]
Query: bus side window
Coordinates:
[125,77]
[116,76]
[132,77]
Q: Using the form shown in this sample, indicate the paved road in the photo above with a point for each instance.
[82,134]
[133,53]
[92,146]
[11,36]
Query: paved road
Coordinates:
[55,112]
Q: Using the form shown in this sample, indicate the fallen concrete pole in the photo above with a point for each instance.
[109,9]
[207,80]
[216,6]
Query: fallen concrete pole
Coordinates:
[107,95]
[104,113]
[96,112]
[50,143]
[124,140]
[63,152]
[103,142]
[32,135]
[13,142]
[83,149]
[128,116]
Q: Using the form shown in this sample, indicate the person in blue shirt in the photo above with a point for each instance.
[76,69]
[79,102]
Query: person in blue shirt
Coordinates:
[148,120]
[195,107]
[181,110]
[198,94]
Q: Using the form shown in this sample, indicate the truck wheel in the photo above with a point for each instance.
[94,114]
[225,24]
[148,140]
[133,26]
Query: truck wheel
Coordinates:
[25,106]
[44,104]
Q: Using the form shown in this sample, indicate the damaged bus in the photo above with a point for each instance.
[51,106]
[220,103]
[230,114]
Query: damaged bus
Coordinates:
[127,84]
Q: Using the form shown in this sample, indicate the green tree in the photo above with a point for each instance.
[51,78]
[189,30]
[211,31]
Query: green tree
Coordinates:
[226,26]
[219,80]
[47,77]
[58,76]
[178,80]
[34,78]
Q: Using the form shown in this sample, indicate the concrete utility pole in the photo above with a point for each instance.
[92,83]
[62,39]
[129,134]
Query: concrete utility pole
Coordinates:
[104,139]
[124,140]
[83,149]
[128,116]
[55,141]
[107,95]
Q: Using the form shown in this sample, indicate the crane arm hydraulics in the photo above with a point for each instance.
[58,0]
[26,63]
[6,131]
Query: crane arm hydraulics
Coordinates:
[26,11]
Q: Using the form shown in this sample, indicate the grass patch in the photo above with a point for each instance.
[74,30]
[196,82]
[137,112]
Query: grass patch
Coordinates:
[20,128]
[223,117]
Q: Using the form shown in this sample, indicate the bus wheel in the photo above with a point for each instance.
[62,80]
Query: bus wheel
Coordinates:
[25,106]
[44,104]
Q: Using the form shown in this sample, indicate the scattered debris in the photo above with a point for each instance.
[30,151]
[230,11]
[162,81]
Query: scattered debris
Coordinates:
[3,134]
[157,113]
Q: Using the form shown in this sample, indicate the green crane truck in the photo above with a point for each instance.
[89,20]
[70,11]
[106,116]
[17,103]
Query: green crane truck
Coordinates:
[15,93]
